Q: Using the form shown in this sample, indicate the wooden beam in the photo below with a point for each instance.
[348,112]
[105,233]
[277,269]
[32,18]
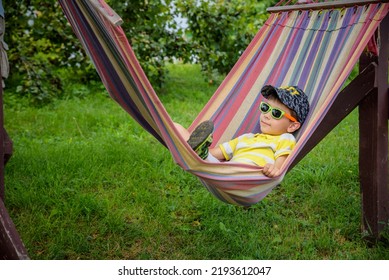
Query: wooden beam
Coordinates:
[323,5]
[11,246]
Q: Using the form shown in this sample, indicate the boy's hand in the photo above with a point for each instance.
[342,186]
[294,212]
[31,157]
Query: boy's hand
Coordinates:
[270,170]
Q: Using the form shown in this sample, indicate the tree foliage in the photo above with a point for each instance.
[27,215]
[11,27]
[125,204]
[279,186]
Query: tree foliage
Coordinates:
[219,30]
[42,45]
[44,52]
[40,42]
[153,34]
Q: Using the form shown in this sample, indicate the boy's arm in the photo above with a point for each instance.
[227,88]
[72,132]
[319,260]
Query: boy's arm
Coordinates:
[273,170]
[217,153]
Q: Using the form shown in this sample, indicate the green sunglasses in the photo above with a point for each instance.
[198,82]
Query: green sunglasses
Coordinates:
[275,112]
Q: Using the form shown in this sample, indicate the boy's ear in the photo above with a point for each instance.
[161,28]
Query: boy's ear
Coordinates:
[294,127]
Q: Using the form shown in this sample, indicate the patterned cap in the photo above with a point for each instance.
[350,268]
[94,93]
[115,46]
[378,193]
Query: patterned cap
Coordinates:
[292,97]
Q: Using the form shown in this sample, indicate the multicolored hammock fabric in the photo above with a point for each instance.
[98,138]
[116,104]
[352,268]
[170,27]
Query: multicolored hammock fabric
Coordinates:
[315,50]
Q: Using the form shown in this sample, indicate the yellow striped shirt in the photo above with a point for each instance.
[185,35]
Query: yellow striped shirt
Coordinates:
[258,149]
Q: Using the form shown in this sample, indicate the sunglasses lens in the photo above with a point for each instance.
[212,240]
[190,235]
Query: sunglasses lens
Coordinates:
[264,107]
[277,114]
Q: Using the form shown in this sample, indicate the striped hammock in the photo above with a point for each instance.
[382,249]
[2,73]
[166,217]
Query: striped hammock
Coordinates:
[315,50]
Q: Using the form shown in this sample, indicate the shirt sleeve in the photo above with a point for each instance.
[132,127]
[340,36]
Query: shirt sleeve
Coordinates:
[285,145]
[228,148]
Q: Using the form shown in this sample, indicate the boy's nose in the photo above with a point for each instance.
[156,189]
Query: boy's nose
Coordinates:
[267,115]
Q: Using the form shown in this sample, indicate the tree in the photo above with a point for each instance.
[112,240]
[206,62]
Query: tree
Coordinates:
[39,42]
[44,52]
[153,34]
[219,31]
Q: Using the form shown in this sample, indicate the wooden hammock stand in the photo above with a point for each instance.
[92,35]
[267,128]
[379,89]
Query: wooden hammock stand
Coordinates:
[370,91]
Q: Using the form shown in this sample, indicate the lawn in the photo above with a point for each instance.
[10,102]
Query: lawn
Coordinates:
[87,182]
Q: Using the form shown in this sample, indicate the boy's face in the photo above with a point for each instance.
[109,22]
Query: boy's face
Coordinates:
[272,126]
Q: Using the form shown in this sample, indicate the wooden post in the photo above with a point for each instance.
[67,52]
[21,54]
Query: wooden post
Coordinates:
[370,90]
[373,143]
[11,246]
[2,143]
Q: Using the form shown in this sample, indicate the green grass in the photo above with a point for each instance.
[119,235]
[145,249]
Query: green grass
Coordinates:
[87,182]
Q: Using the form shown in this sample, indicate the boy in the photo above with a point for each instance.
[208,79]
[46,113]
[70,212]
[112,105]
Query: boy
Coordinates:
[282,113]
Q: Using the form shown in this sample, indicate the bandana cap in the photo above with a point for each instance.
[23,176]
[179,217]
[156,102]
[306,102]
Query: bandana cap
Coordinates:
[292,97]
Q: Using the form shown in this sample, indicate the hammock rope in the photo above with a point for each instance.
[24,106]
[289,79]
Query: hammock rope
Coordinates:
[315,50]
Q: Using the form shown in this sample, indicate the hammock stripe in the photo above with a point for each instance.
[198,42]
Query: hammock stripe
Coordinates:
[315,50]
